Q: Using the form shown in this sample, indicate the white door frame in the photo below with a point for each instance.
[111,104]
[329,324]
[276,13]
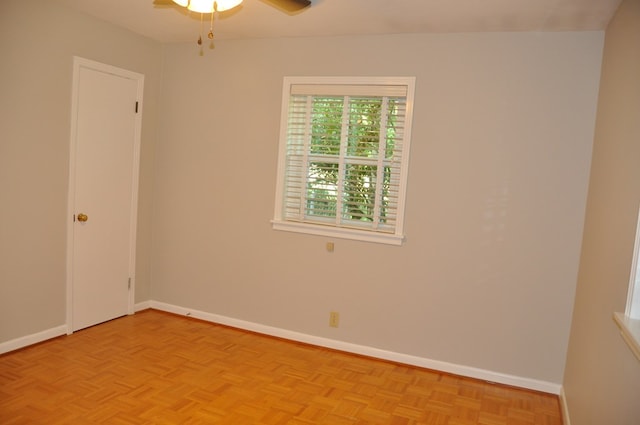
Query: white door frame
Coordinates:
[78,64]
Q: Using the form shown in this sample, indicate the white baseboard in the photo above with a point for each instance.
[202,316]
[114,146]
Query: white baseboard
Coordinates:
[142,306]
[564,408]
[471,372]
[18,343]
[25,341]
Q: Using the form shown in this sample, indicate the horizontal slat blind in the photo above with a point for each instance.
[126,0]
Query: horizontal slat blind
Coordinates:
[343,158]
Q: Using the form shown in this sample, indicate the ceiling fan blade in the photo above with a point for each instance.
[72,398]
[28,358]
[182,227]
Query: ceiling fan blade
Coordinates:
[163,2]
[290,5]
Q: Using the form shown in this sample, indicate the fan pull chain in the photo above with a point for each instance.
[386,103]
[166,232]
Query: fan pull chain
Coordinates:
[210,35]
[201,29]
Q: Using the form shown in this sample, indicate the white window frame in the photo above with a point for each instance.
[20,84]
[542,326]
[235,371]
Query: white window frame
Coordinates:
[280,222]
[629,322]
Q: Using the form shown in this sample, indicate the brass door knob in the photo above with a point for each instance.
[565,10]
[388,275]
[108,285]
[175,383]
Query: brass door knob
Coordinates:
[82,217]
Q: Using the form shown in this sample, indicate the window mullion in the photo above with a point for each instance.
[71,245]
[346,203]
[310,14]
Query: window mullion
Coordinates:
[305,158]
[382,152]
[344,137]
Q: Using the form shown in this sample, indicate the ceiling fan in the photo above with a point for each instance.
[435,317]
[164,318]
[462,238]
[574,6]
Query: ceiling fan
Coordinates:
[212,6]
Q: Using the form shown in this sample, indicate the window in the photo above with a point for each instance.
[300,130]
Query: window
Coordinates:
[629,322]
[344,152]
[633,299]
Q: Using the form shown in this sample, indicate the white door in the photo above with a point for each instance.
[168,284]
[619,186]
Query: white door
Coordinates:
[105,145]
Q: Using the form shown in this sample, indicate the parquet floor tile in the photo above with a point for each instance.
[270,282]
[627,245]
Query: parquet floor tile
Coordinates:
[161,369]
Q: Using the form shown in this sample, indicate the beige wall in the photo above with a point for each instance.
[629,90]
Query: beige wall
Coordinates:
[602,379]
[37,43]
[502,138]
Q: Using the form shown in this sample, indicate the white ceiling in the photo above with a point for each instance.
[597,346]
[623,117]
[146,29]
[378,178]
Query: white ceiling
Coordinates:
[257,19]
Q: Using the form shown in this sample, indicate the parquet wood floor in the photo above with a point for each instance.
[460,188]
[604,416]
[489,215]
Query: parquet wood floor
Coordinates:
[157,368]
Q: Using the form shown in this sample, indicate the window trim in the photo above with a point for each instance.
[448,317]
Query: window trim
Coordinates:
[338,232]
[279,221]
[630,331]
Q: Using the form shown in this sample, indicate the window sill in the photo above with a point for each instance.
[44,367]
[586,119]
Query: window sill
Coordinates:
[630,331]
[337,232]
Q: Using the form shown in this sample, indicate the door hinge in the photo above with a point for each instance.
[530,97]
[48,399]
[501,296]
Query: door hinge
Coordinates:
[129,284]
[136,106]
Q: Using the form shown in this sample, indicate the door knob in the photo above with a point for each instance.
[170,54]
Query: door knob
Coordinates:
[82,217]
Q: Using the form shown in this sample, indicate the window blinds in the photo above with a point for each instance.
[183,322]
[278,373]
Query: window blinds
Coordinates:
[344,155]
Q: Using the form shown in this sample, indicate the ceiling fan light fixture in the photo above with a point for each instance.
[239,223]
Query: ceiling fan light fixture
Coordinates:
[208,6]
[201,6]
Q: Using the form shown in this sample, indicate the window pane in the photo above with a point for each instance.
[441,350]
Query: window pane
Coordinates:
[322,189]
[359,192]
[392,123]
[326,125]
[364,127]
[386,205]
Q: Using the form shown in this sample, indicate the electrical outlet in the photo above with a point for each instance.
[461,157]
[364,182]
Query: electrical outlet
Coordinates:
[334,319]
[330,246]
